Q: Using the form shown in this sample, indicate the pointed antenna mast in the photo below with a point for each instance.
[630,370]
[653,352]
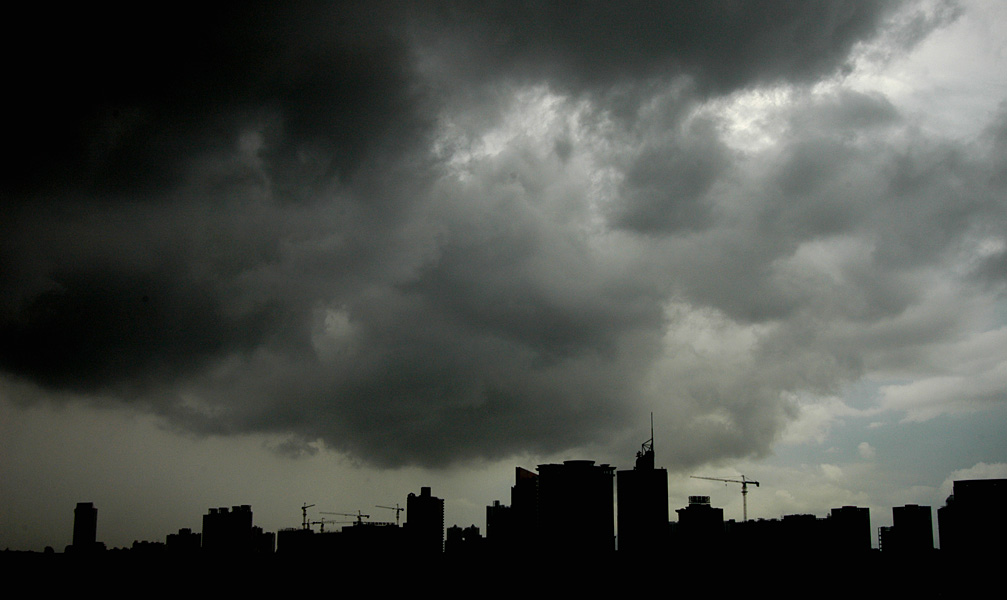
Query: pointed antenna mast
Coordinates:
[651,431]
[645,457]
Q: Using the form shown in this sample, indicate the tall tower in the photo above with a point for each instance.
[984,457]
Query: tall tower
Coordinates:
[85,527]
[524,507]
[643,503]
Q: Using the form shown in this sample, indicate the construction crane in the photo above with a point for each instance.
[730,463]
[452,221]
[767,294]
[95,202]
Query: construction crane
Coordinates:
[744,490]
[360,517]
[396,508]
[304,515]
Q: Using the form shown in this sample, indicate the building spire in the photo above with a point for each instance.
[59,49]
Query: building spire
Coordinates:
[651,431]
[645,457]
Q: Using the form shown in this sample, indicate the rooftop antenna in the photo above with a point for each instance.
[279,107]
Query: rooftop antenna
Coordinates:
[651,431]
[645,457]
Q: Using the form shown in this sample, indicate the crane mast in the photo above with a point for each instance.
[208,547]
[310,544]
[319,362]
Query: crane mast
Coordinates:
[304,515]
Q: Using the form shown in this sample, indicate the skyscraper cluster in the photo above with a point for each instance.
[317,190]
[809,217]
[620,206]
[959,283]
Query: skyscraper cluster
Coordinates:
[570,509]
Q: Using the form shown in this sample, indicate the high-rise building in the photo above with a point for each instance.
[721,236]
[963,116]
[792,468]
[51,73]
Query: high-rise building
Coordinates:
[228,531]
[425,522]
[85,527]
[912,530]
[524,506]
[463,541]
[576,507]
[974,520]
[509,529]
[499,527]
[887,541]
[643,503]
[700,526]
[849,529]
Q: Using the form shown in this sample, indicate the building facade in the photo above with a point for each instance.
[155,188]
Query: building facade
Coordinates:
[576,507]
[425,522]
[643,504]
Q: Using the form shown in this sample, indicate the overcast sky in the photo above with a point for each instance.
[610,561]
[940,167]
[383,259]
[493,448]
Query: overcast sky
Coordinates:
[331,253]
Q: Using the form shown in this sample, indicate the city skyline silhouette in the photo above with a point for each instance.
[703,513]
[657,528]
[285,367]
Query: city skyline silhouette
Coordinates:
[573,508]
[334,253]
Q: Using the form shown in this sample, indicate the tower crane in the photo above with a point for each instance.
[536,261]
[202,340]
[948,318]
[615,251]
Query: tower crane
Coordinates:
[398,509]
[744,490]
[304,515]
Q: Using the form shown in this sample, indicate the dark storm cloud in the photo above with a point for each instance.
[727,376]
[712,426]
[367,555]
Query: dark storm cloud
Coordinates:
[109,102]
[665,188]
[118,109]
[997,135]
[722,45]
[258,220]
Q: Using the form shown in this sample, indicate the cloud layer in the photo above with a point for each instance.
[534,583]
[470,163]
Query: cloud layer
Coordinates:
[430,234]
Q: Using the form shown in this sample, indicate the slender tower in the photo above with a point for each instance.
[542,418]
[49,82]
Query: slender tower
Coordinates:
[643,503]
[85,527]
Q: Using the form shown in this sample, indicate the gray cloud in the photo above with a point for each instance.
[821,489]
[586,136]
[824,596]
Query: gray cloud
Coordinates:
[666,185]
[722,45]
[426,234]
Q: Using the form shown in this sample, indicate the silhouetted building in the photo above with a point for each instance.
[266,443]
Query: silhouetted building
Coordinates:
[845,531]
[299,541]
[946,526]
[849,530]
[524,508]
[512,528]
[467,541]
[361,539]
[425,522]
[700,526]
[886,539]
[370,539]
[912,530]
[263,542]
[185,541]
[231,532]
[499,527]
[147,548]
[643,504]
[756,536]
[804,533]
[974,519]
[576,507]
[85,527]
